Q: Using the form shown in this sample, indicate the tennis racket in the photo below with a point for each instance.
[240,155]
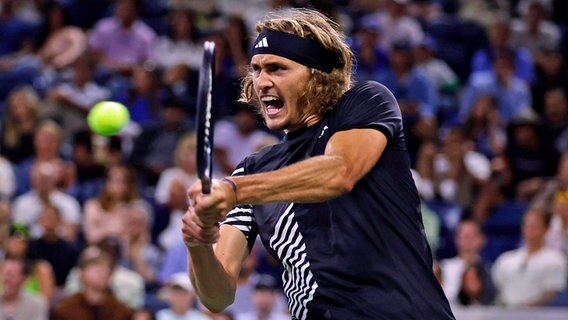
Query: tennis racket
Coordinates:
[204,122]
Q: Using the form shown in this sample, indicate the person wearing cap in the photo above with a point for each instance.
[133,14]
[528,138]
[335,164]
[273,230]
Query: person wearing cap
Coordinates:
[264,299]
[95,300]
[336,192]
[179,294]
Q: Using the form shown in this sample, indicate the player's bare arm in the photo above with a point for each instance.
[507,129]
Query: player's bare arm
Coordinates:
[348,157]
[214,269]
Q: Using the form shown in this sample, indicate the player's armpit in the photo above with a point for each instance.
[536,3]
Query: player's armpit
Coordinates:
[360,149]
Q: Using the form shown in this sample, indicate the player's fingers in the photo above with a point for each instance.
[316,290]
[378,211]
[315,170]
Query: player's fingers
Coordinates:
[194,190]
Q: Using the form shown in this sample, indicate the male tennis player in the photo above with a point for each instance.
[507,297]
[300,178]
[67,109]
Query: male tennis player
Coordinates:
[334,202]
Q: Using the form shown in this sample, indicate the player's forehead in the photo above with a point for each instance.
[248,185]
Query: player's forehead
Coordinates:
[270,59]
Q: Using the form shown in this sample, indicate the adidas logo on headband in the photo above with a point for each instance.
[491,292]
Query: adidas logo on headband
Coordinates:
[262,43]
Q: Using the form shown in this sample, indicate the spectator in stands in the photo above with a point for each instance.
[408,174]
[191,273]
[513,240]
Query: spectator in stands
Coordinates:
[453,171]
[40,279]
[484,12]
[555,119]
[398,25]
[513,94]
[476,286]
[179,294]
[371,57]
[551,72]
[264,299]
[499,40]
[70,102]
[90,159]
[59,44]
[235,138]
[557,235]
[484,129]
[121,42]
[126,285]
[179,51]
[15,302]
[436,70]
[27,208]
[239,43]
[94,300]
[521,172]
[143,96]
[227,84]
[138,253]
[47,143]
[172,186]
[417,97]
[534,30]
[105,216]
[19,122]
[533,274]
[469,241]
[154,148]
[51,247]
[16,45]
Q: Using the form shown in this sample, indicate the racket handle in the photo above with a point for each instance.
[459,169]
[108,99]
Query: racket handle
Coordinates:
[205,186]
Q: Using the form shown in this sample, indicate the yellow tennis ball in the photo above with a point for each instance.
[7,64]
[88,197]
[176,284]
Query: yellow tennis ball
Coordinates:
[108,117]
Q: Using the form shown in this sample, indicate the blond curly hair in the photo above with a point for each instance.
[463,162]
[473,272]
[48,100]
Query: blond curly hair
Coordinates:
[324,89]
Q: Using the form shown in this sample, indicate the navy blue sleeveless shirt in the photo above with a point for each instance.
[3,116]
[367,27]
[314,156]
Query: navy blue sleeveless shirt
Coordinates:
[364,254]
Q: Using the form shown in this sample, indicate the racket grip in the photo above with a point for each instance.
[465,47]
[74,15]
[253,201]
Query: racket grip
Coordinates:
[205,186]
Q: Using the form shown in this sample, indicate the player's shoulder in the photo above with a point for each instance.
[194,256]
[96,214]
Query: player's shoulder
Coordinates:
[366,91]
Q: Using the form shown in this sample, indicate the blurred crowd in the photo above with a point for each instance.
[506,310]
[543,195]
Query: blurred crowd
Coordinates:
[90,223]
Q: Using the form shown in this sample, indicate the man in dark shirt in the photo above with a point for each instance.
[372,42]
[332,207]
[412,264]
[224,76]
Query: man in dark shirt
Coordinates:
[334,202]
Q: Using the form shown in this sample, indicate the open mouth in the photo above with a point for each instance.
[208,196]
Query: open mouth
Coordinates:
[272,104]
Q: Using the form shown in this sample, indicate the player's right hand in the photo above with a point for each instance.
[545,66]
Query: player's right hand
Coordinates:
[197,232]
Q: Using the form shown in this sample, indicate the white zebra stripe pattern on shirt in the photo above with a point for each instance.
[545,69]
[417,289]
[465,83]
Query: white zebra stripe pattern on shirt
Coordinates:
[299,284]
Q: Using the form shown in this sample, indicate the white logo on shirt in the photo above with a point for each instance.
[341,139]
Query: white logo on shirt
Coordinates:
[322,131]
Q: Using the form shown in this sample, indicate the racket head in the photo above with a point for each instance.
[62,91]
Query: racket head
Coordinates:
[204,121]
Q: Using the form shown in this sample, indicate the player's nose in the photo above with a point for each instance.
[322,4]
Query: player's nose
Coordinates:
[264,81]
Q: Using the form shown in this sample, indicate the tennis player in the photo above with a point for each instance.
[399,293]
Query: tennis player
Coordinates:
[334,202]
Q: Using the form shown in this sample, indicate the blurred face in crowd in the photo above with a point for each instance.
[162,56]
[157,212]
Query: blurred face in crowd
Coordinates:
[126,12]
[180,22]
[499,34]
[12,277]
[534,228]
[96,274]
[137,221]
[17,246]
[20,105]
[469,238]
[46,141]
[264,299]
[180,299]
[49,220]
[117,181]
[44,178]
[556,106]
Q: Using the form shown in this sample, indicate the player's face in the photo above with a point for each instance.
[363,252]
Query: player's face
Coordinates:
[279,83]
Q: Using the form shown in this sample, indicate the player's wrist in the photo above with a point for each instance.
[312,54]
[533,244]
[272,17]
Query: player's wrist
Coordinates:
[230,182]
